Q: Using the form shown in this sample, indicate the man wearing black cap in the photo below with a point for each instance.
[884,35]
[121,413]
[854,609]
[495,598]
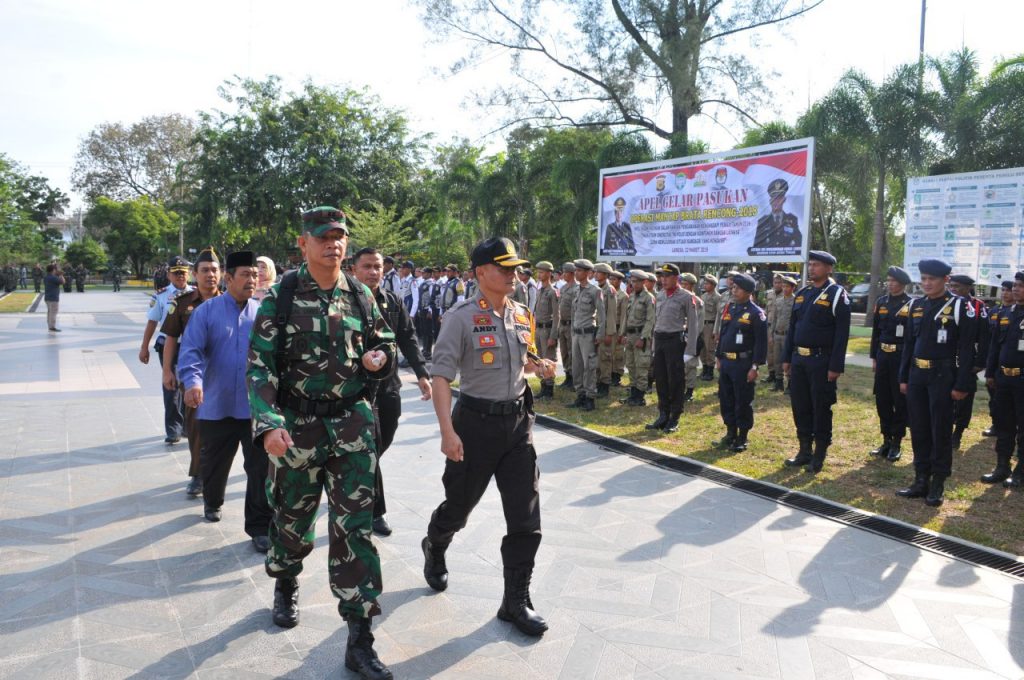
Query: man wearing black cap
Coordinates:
[487,341]
[742,348]
[888,331]
[211,369]
[676,328]
[936,369]
[815,357]
[174,408]
[997,311]
[207,275]
[1004,374]
[963,286]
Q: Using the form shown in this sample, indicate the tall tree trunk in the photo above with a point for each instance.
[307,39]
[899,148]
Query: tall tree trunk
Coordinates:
[877,245]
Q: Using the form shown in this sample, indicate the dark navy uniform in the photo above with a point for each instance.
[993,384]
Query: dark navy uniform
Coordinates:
[1006,366]
[425,314]
[888,332]
[938,358]
[819,330]
[963,409]
[742,345]
[994,314]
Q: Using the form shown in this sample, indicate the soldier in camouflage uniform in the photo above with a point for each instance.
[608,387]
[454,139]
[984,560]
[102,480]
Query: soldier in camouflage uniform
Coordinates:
[566,297]
[638,331]
[621,304]
[308,397]
[606,350]
[546,316]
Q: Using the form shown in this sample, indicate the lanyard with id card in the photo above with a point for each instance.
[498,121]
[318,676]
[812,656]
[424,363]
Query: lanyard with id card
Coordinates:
[942,337]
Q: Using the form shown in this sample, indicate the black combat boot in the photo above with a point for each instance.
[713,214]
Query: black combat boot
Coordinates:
[803,456]
[778,386]
[818,458]
[919,489]
[709,373]
[672,424]
[516,606]
[588,404]
[936,487]
[602,390]
[689,394]
[359,654]
[726,441]
[435,571]
[894,449]
[1016,480]
[616,379]
[580,400]
[195,487]
[770,379]
[958,435]
[659,422]
[741,441]
[1001,472]
[286,602]
[883,449]
[628,400]
[543,394]
[567,383]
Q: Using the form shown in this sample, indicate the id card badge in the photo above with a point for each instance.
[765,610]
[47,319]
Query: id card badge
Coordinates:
[1020,345]
[739,338]
[899,331]
[941,338]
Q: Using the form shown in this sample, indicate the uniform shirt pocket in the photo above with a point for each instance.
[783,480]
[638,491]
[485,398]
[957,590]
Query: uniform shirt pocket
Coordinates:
[488,351]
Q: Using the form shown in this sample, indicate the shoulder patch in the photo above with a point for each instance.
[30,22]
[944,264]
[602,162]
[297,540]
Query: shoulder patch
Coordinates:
[970,311]
[152,302]
[171,307]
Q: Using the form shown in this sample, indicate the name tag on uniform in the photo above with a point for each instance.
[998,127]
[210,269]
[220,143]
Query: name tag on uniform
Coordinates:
[941,336]
[739,337]
[1020,345]
[899,331]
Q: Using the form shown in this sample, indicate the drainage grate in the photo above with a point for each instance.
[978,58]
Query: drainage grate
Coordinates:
[880,525]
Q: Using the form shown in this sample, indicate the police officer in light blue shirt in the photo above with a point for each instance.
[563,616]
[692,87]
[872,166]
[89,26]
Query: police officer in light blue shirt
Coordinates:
[174,407]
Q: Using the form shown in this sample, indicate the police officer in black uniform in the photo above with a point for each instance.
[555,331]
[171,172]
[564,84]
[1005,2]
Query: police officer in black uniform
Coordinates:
[1004,373]
[743,347]
[425,313]
[488,341]
[995,312]
[888,331]
[963,286]
[936,369]
[815,357]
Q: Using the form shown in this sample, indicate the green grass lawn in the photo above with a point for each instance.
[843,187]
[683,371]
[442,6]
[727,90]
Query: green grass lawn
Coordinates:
[16,302]
[973,511]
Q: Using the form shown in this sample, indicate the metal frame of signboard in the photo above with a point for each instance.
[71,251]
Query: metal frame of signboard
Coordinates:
[750,152]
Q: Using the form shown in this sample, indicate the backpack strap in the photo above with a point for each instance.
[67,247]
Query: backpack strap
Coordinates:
[285,298]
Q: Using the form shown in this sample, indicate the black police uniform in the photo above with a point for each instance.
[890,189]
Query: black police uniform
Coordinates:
[387,401]
[888,332]
[1006,366]
[743,343]
[938,357]
[963,409]
[994,314]
[424,316]
[819,330]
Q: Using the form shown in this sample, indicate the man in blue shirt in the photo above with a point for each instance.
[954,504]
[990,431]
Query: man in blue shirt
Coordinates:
[211,368]
[54,280]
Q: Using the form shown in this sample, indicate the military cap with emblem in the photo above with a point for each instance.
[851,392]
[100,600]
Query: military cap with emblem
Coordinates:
[900,274]
[583,263]
[178,263]
[408,264]
[427,270]
[243,258]
[620,202]
[745,281]
[963,279]
[933,267]
[710,278]
[568,267]
[618,274]
[821,256]
[545,266]
[452,268]
[322,219]
[688,277]
[778,187]
[790,280]
[638,274]
[669,269]
[1006,285]
[603,268]
[496,251]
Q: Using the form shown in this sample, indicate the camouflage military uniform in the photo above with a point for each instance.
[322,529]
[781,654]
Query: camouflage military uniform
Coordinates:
[337,451]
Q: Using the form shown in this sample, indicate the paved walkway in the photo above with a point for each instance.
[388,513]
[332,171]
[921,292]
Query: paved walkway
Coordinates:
[107,570]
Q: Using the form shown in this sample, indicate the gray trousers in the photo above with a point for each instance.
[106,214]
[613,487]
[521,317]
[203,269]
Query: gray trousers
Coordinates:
[51,313]
[584,364]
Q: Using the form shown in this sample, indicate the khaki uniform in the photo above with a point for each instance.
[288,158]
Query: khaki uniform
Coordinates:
[619,355]
[675,334]
[639,325]
[712,310]
[547,316]
[588,323]
[769,311]
[606,353]
[780,327]
[565,299]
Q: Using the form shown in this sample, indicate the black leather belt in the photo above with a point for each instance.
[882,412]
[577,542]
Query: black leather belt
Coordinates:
[810,351]
[549,324]
[320,407]
[585,331]
[734,356]
[492,408]
[709,323]
[565,322]
[668,333]
[634,329]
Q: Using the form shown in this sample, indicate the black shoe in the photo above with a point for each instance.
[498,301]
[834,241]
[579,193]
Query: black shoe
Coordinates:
[689,394]
[659,423]
[958,436]
[195,487]
[786,391]
[740,444]
[171,440]
[580,399]
[435,571]
[894,450]
[778,387]
[516,606]
[588,404]
[261,544]
[936,488]
[803,457]
[212,514]
[882,450]
[286,602]
[1016,479]
[817,458]
[989,432]
[726,441]
[359,654]
[919,488]
[616,379]
[381,526]
[708,373]
[770,379]
[672,424]
[55,330]
[567,384]
[602,390]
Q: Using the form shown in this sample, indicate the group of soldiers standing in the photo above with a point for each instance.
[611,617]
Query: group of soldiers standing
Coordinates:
[13,276]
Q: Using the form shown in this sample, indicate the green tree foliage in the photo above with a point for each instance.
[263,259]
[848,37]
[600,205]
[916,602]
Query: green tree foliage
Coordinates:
[87,253]
[27,202]
[138,231]
[273,154]
[382,228]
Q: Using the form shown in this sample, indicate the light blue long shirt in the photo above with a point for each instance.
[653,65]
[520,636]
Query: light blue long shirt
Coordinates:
[214,352]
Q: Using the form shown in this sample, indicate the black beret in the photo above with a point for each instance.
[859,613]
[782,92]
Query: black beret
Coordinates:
[900,274]
[1019,276]
[408,264]
[669,268]
[821,256]
[388,259]
[963,279]
[1007,285]
[243,258]
[745,281]
[934,267]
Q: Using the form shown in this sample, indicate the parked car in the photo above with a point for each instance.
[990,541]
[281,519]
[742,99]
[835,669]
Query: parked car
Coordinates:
[859,297]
